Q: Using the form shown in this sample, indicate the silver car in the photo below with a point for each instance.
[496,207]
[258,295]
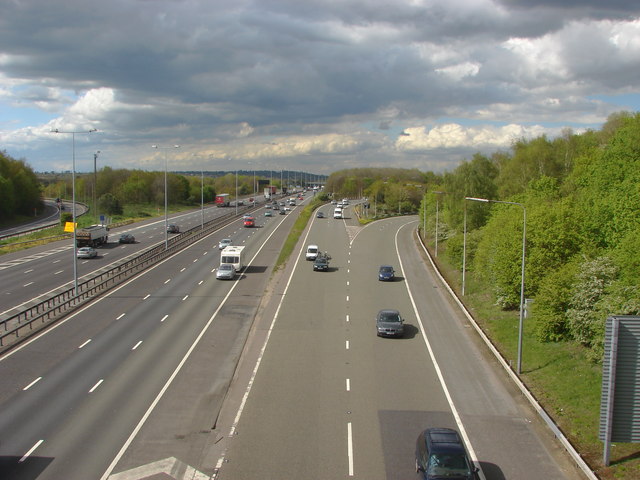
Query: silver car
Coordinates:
[86,252]
[226,272]
[225,242]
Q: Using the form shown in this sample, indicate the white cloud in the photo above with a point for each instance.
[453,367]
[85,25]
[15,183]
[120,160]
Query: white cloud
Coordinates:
[453,135]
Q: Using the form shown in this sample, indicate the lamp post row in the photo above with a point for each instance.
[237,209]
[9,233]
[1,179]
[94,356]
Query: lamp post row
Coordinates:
[464,259]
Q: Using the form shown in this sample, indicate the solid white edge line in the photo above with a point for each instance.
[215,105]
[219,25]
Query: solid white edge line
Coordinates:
[31,450]
[514,377]
[436,366]
[236,420]
[146,415]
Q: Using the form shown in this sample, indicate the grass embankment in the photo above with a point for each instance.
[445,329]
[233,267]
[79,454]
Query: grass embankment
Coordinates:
[298,227]
[560,376]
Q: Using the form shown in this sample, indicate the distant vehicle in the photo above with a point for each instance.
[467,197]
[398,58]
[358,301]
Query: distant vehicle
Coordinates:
[312,252]
[223,200]
[173,228]
[269,191]
[86,252]
[321,263]
[249,222]
[337,213]
[224,243]
[386,273]
[226,272]
[127,238]
[389,323]
[276,207]
[319,215]
[92,236]
[268,213]
[440,453]
[282,212]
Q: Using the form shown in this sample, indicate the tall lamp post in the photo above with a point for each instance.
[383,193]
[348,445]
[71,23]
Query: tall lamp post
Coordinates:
[95,183]
[524,251]
[437,215]
[73,205]
[166,214]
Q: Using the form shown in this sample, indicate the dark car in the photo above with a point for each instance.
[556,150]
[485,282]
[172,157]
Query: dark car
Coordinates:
[282,212]
[440,453]
[320,215]
[321,263]
[173,229]
[389,323]
[127,238]
[386,273]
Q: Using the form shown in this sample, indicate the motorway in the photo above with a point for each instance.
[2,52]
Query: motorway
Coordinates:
[40,270]
[177,375]
[71,396]
[331,400]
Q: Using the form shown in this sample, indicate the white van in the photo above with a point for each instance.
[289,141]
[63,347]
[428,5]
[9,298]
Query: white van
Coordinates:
[312,252]
[337,213]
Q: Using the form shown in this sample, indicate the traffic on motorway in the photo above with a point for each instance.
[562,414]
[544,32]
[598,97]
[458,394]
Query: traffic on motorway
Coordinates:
[356,372]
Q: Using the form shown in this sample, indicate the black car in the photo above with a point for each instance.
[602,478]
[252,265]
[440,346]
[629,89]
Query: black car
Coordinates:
[389,323]
[440,453]
[282,212]
[173,229]
[386,273]
[320,215]
[127,238]
[321,263]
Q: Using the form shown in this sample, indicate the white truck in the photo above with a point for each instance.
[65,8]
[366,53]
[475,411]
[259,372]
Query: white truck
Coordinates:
[233,255]
[92,236]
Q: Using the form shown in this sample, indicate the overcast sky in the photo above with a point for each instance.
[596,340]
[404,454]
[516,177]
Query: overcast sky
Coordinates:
[312,85]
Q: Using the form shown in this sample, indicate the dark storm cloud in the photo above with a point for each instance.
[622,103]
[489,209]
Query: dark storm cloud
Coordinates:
[204,68]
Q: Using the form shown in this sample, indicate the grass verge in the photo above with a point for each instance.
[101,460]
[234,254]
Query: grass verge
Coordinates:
[560,376]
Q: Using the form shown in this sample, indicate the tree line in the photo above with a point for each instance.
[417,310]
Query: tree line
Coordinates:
[581,195]
[20,194]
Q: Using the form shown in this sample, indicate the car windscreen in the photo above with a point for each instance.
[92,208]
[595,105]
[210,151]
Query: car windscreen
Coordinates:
[390,317]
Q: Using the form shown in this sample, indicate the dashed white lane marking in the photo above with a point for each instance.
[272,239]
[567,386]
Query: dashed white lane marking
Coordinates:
[348,385]
[84,344]
[32,384]
[120,316]
[31,450]
[137,345]
[93,389]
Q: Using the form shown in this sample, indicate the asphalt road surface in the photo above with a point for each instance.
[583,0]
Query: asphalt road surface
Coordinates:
[72,397]
[331,400]
[178,375]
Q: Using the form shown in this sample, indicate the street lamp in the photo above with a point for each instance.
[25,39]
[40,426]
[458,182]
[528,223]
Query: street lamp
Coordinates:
[166,214]
[524,251]
[73,206]
[95,183]
[437,213]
